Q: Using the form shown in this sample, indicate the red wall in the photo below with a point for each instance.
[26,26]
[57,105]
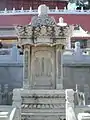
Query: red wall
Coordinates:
[27,3]
[83,20]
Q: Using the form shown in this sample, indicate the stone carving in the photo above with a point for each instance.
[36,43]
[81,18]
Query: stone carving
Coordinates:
[61,22]
[20,30]
[29,31]
[42,106]
[26,65]
[45,101]
[42,68]
[42,10]
[42,20]
[5,95]
[36,67]
[43,31]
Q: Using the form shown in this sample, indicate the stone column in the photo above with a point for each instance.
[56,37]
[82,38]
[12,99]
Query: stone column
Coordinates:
[26,66]
[59,67]
[29,68]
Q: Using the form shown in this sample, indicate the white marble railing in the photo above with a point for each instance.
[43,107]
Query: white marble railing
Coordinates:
[70,56]
[50,11]
[10,55]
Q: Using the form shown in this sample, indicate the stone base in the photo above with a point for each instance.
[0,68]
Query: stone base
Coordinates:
[42,104]
[44,118]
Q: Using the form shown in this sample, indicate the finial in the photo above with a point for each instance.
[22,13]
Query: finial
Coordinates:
[5,10]
[61,22]
[56,9]
[22,8]
[13,9]
[30,8]
[42,10]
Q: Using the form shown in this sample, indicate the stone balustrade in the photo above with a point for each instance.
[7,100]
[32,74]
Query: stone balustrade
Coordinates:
[70,56]
[35,11]
[10,55]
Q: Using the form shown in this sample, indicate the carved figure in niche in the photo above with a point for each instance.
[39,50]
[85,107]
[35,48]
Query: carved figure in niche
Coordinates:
[61,31]
[57,31]
[36,32]
[20,30]
[49,31]
[29,30]
[43,31]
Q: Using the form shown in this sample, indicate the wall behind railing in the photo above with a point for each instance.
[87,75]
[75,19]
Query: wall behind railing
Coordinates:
[70,56]
[76,64]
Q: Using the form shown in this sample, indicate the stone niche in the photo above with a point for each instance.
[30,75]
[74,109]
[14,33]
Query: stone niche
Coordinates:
[43,67]
[42,96]
[43,41]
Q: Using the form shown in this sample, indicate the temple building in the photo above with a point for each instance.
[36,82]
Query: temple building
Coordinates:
[9,4]
[14,12]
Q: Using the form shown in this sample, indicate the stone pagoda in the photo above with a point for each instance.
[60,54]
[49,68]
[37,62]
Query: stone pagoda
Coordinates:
[43,41]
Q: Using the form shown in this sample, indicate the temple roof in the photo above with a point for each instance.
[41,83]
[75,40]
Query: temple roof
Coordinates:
[79,32]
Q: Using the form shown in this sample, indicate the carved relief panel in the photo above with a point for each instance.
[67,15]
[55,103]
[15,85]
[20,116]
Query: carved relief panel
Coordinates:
[42,67]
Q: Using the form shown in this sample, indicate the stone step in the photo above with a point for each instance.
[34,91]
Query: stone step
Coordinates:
[43,117]
[42,106]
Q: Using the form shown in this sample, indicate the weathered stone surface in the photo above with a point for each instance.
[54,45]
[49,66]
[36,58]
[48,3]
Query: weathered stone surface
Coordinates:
[43,49]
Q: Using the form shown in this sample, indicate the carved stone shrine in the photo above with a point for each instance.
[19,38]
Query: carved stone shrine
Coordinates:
[43,41]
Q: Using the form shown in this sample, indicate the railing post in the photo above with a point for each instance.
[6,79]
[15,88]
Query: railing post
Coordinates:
[13,10]
[56,9]
[15,53]
[5,11]
[30,9]
[70,113]
[21,8]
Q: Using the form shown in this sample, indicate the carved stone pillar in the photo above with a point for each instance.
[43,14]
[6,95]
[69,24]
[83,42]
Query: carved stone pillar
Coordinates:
[59,67]
[70,113]
[26,68]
